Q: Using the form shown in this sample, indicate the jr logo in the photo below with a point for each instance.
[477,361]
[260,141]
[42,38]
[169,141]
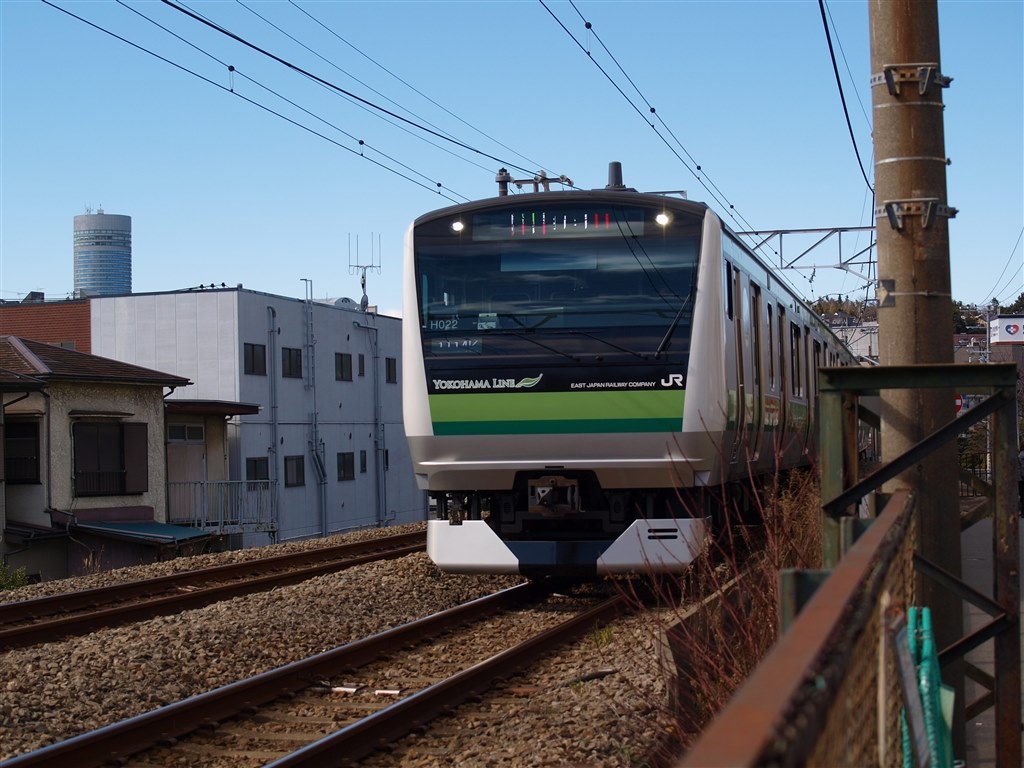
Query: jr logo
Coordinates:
[673,380]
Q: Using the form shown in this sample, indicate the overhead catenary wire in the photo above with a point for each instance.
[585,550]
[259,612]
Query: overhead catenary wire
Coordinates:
[729,207]
[234,70]
[415,90]
[721,195]
[369,87]
[438,189]
[294,67]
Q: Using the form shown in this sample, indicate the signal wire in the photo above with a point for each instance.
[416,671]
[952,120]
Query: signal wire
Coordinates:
[250,101]
[294,67]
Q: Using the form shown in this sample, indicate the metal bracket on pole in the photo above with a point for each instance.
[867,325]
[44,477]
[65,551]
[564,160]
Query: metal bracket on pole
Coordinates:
[927,208]
[893,75]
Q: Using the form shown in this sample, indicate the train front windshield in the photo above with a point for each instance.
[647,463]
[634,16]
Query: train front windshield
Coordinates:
[564,267]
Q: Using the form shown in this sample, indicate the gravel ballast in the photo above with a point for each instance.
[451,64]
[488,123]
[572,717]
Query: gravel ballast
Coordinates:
[553,716]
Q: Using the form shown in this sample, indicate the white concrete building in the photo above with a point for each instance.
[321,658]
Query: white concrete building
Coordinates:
[328,434]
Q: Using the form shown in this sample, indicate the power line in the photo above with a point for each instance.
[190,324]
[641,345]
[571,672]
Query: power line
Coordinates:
[174,64]
[294,67]
[842,96]
[995,293]
[712,190]
[413,88]
[653,111]
[365,85]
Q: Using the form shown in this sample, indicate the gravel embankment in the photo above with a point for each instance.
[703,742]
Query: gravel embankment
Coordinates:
[53,691]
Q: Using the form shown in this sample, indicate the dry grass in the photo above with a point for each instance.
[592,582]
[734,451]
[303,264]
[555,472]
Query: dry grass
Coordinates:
[722,617]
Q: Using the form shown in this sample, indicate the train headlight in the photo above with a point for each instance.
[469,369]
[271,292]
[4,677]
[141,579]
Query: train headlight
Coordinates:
[663,219]
[458,226]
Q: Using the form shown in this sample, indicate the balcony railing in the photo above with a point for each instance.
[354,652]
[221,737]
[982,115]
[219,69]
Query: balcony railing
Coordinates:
[223,506]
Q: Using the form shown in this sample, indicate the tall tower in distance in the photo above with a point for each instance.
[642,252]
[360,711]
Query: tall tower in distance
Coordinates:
[103,254]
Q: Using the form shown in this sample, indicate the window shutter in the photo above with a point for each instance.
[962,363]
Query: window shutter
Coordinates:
[136,458]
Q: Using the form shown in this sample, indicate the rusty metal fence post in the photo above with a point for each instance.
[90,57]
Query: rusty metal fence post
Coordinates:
[806,703]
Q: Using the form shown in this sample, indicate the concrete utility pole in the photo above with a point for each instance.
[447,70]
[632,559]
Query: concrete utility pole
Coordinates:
[915,313]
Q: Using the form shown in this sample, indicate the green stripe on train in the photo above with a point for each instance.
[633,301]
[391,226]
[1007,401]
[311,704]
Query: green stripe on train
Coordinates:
[557,412]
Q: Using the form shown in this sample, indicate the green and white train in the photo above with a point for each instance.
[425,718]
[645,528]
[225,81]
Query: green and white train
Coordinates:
[579,366]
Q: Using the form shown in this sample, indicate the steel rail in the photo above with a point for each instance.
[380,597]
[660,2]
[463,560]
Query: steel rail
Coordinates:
[401,718]
[277,571]
[120,740]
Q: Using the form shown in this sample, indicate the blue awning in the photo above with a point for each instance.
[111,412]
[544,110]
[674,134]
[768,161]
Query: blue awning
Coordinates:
[144,533]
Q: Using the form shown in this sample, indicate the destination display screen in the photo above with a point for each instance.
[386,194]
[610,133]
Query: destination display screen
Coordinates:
[553,222]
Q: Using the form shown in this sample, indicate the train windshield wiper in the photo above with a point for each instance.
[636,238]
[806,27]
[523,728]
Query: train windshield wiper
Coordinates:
[671,329]
[527,337]
[611,344]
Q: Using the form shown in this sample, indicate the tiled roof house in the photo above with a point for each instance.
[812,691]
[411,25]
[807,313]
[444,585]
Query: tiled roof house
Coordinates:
[83,478]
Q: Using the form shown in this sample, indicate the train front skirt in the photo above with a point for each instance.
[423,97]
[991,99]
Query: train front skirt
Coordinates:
[471,546]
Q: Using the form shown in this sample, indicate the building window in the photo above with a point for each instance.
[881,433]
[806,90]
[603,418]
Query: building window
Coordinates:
[391,364]
[342,366]
[346,466]
[21,451]
[362,461]
[185,433]
[387,460]
[294,471]
[257,468]
[362,364]
[291,363]
[111,458]
[255,363]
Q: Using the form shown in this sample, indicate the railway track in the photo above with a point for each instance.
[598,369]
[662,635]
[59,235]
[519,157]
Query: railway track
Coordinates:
[45,619]
[339,706]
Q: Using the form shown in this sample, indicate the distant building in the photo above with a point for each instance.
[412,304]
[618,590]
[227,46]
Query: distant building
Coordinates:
[103,254]
[308,393]
[329,434]
[861,338]
[64,323]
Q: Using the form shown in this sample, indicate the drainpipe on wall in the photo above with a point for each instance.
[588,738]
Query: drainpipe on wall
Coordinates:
[316,445]
[272,373]
[378,428]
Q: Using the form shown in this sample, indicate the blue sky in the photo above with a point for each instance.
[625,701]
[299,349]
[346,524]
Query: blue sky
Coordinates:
[220,190]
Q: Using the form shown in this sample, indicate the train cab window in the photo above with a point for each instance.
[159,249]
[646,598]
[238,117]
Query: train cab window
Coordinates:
[585,266]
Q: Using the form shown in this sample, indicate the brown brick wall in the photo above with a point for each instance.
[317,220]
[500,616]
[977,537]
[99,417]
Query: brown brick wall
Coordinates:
[56,322]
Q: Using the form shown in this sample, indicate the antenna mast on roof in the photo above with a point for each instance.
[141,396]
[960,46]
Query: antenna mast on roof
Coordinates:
[374,264]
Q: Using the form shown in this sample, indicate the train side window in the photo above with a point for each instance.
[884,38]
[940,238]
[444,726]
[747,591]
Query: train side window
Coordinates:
[755,323]
[781,320]
[771,348]
[817,365]
[728,290]
[796,364]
